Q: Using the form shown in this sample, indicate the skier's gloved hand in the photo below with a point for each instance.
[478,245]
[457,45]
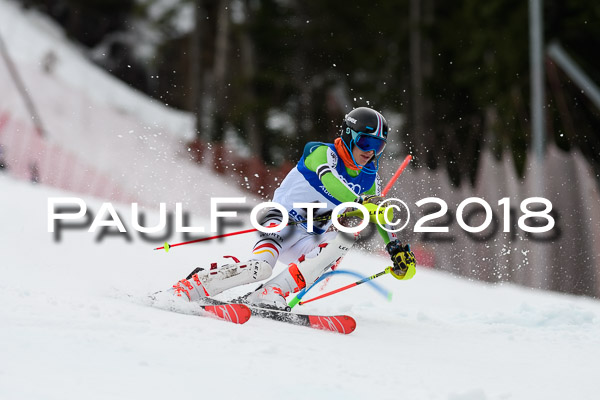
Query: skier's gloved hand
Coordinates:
[404,260]
[369,199]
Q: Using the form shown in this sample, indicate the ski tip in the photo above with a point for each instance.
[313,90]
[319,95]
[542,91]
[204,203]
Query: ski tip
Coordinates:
[350,323]
[245,313]
[236,313]
[343,324]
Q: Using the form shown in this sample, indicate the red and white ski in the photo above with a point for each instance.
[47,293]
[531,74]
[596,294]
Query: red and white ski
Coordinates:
[344,324]
[236,313]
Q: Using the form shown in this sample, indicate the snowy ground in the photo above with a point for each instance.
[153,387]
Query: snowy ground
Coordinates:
[68,332]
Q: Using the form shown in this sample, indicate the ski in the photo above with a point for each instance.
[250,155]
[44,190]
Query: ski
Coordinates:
[343,324]
[236,313]
[230,312]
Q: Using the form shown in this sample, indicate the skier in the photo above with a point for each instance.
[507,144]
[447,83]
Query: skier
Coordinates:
[320,177]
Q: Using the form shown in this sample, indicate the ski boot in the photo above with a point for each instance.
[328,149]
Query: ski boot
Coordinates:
[202,283]
[300,274]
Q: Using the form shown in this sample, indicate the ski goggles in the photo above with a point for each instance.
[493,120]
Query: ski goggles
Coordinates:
[367,142]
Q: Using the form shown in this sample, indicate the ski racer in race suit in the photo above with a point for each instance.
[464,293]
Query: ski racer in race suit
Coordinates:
[343,171]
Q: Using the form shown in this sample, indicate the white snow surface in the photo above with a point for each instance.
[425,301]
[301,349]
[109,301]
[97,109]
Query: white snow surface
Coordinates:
[72,327]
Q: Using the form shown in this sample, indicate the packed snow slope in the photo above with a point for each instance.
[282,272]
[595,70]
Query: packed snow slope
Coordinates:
[71,327]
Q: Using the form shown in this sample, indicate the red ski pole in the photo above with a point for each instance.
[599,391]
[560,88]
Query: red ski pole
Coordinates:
[396,175]
[168,246]
[386,271]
